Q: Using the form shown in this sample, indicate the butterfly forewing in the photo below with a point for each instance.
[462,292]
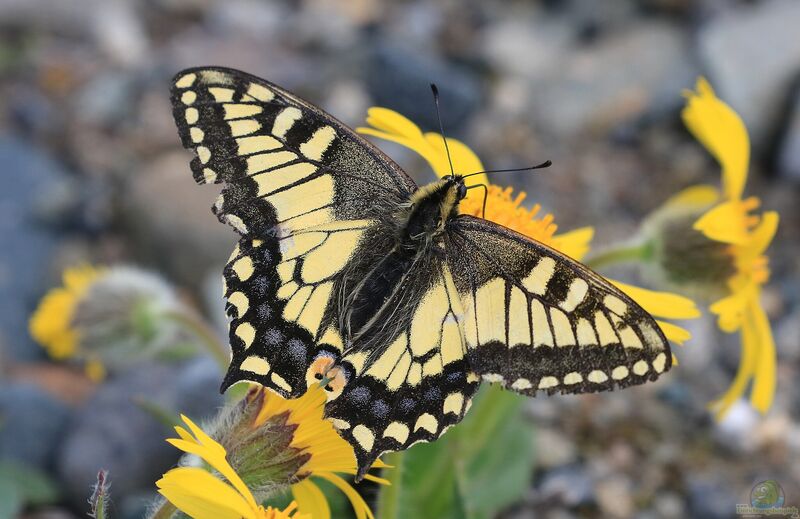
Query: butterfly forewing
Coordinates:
[535,319]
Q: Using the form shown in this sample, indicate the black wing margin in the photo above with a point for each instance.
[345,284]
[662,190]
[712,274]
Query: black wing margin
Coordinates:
[537,320]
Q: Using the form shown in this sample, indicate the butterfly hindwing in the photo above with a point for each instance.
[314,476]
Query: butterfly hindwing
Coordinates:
[281,301]
[535,319]
[418,384]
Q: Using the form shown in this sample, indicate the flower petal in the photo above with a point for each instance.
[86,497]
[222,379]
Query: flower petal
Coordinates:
[359,505]
[764,232]
[574,243]
[393,123]
[214,454]
[660,304]
[726,223]
[747,364]
[464,159]
[730,310]
[311,500]
[699,196]
[720,129]
[392,126]
[202,496]
[763,391]
[673,332]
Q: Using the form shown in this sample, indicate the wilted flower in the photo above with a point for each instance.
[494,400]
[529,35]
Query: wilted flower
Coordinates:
[266,445]
[710,242]
[504,208]
[108,316]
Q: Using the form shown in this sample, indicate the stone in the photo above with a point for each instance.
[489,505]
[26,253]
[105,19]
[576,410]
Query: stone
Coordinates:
[710,499]
[752,56]
[570,485]
[119,32]
[33,424]
[669,505]
[553,448]
[788,159]
[113,432]
[170,218]
[400,79]
[28,177]
[623,76]
[614,497]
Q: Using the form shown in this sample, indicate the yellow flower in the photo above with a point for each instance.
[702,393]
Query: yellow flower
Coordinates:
[273,442]
[328,452]
[200,495]
[109,318]
[503,207]
[728,219]
[51,323]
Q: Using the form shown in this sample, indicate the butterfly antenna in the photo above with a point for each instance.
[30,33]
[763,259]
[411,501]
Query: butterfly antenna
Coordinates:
[545,164]
[441,127]
[485,196]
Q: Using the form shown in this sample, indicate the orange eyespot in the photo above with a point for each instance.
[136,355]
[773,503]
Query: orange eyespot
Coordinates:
[324,369]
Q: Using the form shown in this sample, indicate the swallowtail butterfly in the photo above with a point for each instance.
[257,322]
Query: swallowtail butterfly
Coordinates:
[349,274]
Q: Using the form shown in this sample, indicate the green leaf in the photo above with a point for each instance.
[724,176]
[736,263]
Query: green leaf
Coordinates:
[475,470]
[21,486]
[10,499]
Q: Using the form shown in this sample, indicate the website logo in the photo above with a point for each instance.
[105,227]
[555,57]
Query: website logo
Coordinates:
[767,500]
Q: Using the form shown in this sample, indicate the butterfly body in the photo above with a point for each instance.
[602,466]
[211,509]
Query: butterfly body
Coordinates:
[348,274]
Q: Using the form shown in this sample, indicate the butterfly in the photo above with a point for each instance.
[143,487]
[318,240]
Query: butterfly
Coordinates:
[348,274]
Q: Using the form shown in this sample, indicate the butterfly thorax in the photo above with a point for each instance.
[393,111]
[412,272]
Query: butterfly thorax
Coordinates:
[420,224]
[429,209]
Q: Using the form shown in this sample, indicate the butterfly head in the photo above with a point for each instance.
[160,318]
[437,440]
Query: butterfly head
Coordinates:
[459,185]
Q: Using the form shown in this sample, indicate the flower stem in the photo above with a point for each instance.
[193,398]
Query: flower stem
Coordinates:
[204,333]
[165,510]
[389,498]
[623,253]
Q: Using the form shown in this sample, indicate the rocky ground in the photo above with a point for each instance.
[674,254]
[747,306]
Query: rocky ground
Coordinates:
[92,171]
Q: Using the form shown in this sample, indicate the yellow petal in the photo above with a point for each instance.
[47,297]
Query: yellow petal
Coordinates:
[311,500]
[420,146]
[202,496]
[392,126]
[694,197]
[359,505]
[393,123]
[761,236]
[661,304]
[214,454]
[747,364]
[720,129]
[730,310]
[763,391]
[464,159]
[673,332]
[575,243]
[727,223]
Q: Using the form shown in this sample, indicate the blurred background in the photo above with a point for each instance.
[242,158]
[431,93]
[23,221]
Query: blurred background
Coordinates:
[92,172]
